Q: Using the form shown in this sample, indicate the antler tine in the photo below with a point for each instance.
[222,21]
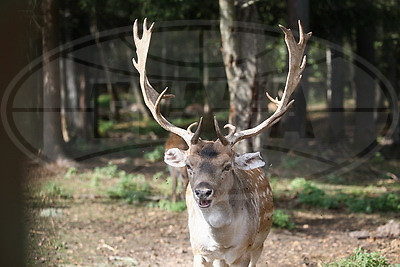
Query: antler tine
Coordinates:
[273,100]
[151,97]
[195,138]
[297,63]
[220,136]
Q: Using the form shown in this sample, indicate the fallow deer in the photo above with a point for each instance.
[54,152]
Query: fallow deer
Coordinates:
[229,199]
[177,173]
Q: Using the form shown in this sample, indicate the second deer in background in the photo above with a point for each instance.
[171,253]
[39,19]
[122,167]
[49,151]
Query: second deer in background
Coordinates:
[177,173]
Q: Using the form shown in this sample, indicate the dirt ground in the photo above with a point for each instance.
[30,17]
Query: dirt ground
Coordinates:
[94,231]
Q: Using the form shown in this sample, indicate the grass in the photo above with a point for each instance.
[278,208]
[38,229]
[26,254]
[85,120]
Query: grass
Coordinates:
[361,258]
[53,190]
[70,173]
[168,205]
[281,219]
[157,154]
[130,188]
[360,199]
[105,126]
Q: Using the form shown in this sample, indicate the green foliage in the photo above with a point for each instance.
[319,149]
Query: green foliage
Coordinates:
[156,155]
[111,170]
[361,258]
[312,195]
[105,126]
[158,175]
[355,201]
[104,101]
[164,204]
[53,190]
[106,172]
[70,172]
[298,184]
[281,219]
[383,203]
[130,188]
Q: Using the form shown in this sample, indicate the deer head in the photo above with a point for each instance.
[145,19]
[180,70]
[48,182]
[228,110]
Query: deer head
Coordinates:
[212,165]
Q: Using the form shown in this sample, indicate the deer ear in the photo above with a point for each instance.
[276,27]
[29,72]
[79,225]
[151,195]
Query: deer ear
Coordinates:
[249,161]
[175,157]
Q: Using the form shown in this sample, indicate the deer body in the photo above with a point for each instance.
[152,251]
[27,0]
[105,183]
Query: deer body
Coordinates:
[233,229]
[229,202]
[229,199]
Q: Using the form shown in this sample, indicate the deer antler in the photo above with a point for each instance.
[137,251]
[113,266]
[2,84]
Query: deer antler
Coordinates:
[297,63]
[151,97]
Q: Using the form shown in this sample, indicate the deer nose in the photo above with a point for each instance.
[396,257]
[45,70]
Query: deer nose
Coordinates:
[203,191]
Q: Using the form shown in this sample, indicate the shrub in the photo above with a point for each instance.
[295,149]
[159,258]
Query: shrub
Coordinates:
[386,202]
[281,219]
[52,190]
[312,195]
[130,188]
[156,155]
[70,172]
[111,170]
[361,258]
[178,206]
[299,184]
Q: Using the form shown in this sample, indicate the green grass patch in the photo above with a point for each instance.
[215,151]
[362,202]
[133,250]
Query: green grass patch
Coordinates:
[312,195]
[70,173]
[370,199]
[361,258]
[157,154]
[130,188]
[104,101]
[105,126]
[168,205]
[281,219]
[110,170]
[384,203]
[53,190]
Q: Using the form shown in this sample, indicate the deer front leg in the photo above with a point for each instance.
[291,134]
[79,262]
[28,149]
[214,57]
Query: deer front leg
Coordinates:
[243,261]
[199,261]
[220,263]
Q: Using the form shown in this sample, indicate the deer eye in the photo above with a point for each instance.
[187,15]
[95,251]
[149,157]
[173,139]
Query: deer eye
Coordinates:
[227,168]
[188,166]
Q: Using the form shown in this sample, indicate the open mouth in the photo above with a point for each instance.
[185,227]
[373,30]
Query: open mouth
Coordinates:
[203,203]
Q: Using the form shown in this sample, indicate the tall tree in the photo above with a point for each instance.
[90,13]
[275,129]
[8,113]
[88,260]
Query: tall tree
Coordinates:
[12,207]
[365,132]
[239,51]
[295,122]
[52,135]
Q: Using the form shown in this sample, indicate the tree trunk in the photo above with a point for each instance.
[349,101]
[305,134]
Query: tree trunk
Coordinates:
[295,121]
[71,88]
[239,55]
[84,124]
[52,137]
[114,99]
[365,132]
[391,72]
[335,84]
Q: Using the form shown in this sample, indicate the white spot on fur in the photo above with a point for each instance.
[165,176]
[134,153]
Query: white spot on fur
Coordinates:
[249,161]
